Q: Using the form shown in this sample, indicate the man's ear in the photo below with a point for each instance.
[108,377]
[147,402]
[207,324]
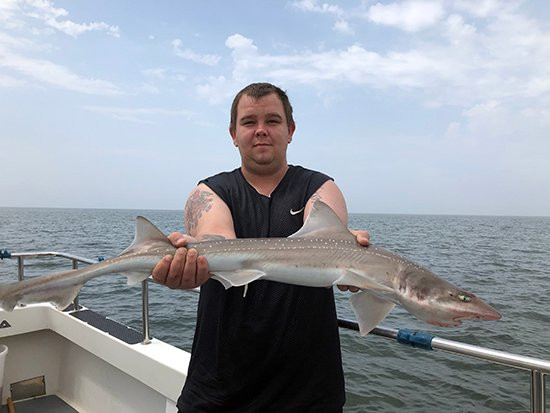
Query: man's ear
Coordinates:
[291,130]
[233,136]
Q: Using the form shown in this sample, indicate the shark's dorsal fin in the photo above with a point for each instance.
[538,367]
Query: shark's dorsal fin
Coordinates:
[146,232]
[323,222]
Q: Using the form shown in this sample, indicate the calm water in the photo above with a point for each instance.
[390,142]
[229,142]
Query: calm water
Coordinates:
[505,260]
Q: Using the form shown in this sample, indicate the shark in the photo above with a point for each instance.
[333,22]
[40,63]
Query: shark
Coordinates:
[322,253]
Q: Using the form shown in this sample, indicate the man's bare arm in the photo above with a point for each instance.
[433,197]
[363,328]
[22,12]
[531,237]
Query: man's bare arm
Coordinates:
[206,216]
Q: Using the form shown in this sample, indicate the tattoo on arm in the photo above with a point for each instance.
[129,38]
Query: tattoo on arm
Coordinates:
[315,197]
[211,237]
[198,203]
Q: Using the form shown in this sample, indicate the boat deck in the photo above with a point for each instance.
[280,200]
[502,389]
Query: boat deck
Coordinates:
[88,363]
[109,326]
[46,404]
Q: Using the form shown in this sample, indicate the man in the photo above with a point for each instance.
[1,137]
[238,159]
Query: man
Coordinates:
[276,347]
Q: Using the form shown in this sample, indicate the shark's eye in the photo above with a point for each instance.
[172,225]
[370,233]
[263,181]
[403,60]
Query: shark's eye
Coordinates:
[464,298]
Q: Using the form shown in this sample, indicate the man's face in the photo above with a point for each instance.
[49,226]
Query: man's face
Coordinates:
[261,133]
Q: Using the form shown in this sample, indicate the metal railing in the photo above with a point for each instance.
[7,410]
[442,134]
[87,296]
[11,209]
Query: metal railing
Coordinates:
[21,262]
[539,368]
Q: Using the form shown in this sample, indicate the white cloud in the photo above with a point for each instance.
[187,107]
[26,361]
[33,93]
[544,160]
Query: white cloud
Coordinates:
[164,73]
[217,89]
[457,30]
[8,14]
[411,15]
[48,72]
[343,26]
[8,81]
[314,6]
[11,42]
[483,109]
[540,115]
[139,115]
[484,8]
[188,54]
[158,72]
[241,44]
[354,64]
[19,69]
[147,88]
[462,61]
[46,7]
[501,137]
[76,29]
[45,11]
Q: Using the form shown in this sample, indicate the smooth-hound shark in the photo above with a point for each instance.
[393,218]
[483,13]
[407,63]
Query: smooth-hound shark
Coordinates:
[322,253]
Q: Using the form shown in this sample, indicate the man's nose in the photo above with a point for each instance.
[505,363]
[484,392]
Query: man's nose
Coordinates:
[261,130]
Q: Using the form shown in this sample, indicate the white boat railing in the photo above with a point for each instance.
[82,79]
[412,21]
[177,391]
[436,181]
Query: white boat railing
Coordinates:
[538,368]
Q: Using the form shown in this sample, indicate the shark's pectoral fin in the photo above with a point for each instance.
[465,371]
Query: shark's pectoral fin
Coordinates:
[62,298]
[369,310]
[135,277]
[237,278]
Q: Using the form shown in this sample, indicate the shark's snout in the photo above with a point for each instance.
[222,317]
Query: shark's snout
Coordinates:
[494,315]
[490,314]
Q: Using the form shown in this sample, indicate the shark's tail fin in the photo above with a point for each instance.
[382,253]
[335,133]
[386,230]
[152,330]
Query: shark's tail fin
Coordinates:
[7,301]
[12,294]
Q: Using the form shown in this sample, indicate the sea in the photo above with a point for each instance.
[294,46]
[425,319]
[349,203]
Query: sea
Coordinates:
[503,259]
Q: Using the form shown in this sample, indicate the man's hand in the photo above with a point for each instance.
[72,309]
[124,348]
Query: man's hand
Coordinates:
[363,238]
[184,270]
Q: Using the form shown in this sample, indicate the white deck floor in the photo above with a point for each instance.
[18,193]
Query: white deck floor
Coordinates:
[89,369]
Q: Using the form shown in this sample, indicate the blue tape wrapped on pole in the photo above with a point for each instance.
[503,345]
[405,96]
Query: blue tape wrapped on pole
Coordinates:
[4,254]
[416,339]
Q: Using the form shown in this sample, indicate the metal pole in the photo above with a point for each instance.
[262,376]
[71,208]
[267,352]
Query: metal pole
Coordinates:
[145,311]
[495,356]
[20,269]
[537,392]
[538,367]
[76,300]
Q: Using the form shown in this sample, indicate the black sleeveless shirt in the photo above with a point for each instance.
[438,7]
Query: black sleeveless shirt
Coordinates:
[276,349]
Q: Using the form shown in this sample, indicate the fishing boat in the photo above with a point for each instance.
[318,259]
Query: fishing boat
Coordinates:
[79,361]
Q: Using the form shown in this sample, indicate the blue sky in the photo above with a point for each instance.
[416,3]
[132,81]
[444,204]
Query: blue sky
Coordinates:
[412,106]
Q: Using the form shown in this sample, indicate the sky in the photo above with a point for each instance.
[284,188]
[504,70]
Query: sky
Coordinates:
[414,106]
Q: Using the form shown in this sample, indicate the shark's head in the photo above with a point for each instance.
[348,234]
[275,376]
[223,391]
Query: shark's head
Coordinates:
[439,302]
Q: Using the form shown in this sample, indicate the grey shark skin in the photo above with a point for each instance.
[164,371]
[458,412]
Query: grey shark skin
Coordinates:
[136,262]
[322,253]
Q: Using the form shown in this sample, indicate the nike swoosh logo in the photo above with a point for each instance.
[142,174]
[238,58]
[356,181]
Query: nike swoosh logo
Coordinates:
[292,212]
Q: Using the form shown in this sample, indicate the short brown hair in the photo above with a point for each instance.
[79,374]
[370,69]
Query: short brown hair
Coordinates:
[257,91]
